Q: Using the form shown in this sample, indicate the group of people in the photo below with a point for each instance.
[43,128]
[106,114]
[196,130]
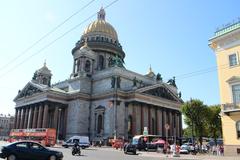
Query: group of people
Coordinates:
[217,150]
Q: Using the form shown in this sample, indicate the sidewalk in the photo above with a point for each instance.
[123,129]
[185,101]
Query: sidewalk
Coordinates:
[188,157]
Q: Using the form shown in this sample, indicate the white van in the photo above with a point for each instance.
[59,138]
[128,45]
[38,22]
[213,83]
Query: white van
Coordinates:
[82,140]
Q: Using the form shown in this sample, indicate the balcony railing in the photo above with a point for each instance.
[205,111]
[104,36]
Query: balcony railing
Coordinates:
[231,107]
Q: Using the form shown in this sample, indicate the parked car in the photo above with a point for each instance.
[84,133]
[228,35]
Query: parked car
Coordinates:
[159,142]
[29,151]
[212,142]
[130,148]
[142,144]
[184,149]
[82,140]
[117,143]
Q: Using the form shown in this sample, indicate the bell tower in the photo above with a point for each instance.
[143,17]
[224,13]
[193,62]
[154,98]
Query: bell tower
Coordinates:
[43,75]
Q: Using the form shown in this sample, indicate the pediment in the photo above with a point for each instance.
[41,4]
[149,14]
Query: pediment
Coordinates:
[233,79]
[162,92]
[29,90]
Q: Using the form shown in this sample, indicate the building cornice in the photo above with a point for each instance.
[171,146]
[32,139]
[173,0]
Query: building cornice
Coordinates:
[225,41]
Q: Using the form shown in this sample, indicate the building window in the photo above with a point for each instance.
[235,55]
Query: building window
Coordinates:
[87,66]
[101,62]
[78,65]
[233,60]
[45,81]
[238,129]
[100,124]
[236,93]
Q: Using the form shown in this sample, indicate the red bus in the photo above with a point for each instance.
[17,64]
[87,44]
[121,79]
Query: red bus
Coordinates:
[45,136]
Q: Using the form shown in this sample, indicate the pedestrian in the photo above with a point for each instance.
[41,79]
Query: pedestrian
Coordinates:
[218,150]
[214,150]
[221,150]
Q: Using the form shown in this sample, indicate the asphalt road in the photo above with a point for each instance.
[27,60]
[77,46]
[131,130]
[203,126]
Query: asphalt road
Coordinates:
[107,153]
[102,154]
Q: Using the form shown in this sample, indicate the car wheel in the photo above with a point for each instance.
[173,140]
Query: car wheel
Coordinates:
[52,157]
[11,157]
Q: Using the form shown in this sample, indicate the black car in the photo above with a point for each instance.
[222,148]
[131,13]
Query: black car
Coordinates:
[129,147]
[29,151]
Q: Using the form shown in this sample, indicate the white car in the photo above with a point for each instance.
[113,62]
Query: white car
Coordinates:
[185,149]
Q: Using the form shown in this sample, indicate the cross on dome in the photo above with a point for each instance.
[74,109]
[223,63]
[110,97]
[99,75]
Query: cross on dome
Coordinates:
[101,14]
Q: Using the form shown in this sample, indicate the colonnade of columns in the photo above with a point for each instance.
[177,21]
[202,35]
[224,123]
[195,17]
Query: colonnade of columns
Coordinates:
[42,115]
[155,118]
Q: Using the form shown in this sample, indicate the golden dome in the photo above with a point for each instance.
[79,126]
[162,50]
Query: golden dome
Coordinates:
[100,26]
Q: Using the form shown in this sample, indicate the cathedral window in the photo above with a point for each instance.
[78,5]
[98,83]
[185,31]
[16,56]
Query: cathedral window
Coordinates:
[101,62]
[45,81]
[100,124]
[87,66]
[78,65]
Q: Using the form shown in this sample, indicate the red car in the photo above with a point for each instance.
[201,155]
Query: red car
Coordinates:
[117,143]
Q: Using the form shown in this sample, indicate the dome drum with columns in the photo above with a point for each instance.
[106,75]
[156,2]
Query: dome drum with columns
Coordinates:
[101,99]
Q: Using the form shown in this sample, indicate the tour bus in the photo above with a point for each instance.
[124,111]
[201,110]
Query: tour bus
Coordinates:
[144,142]
[44,136]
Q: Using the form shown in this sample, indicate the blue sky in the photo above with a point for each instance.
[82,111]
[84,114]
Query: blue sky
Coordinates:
[170,35]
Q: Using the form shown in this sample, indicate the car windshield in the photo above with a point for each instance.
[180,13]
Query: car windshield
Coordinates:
[135,141]
[184,147]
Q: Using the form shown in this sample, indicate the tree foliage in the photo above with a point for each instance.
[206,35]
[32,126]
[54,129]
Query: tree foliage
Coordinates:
[214,125]
[195,116]
[202,120]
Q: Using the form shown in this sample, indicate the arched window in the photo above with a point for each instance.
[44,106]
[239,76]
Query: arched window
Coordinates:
[99,124]
[87,66]
[101,62]
[129,125]
[238,129]
[45,81]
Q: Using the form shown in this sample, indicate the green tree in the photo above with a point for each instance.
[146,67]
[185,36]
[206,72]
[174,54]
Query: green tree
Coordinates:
[214,125]
[195,116]
[187,132]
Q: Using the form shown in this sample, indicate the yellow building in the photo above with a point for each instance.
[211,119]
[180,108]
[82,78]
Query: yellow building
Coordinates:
[226,45]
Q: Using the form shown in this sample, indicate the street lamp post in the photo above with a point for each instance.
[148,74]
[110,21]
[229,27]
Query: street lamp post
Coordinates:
[59,119]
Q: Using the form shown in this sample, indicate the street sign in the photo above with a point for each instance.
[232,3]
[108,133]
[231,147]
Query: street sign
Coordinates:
[167,126]
[145,131]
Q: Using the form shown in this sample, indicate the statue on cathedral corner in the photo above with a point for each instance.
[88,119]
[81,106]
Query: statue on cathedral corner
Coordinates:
[134,82]
[180,94]
[34,76]
[172,82]
[159,77]
[115,61]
